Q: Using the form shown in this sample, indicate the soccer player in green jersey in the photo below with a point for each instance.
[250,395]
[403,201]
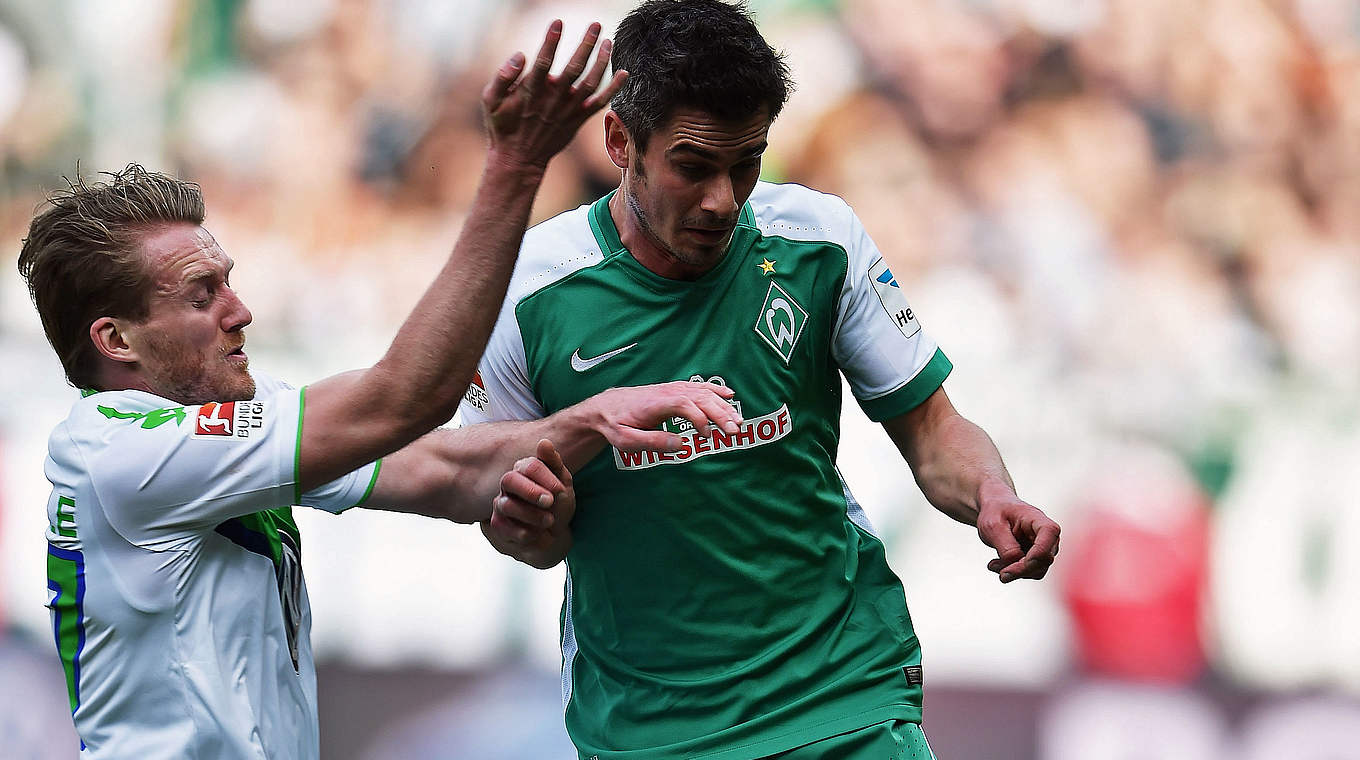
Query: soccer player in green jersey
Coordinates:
[726,597]
[174,576]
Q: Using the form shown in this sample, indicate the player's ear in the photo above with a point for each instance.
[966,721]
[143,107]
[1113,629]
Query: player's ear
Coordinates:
[109,338]
[616,139]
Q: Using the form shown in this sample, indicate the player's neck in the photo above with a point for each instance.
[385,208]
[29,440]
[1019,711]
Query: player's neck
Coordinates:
[647,249]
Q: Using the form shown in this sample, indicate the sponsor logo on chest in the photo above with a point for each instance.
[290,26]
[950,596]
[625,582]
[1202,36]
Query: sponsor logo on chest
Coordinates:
[753,432]
[232,420]
[682,425]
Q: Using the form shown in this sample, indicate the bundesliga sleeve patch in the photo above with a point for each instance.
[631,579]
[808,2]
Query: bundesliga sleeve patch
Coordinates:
[476,395]
[893,300]
[229,421]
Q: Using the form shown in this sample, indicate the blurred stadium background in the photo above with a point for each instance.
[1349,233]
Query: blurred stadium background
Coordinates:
[1133,224]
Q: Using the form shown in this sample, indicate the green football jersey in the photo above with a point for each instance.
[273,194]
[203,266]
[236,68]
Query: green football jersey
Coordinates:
[728,600]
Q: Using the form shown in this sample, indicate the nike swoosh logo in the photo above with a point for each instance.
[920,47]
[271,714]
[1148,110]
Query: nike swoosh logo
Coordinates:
[581,365]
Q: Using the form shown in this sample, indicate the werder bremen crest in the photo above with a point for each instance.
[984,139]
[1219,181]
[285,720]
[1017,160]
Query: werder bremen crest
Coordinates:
[781,321]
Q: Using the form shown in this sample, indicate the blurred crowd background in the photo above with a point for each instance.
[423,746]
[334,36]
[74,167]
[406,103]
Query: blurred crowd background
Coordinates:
[1134,225]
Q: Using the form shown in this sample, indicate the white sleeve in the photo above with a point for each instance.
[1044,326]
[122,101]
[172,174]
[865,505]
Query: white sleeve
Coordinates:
[157,480]
[500,388]
[891,363]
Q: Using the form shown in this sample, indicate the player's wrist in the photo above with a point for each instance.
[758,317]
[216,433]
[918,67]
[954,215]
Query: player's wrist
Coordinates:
[512,166]
[587,420]
[994,491]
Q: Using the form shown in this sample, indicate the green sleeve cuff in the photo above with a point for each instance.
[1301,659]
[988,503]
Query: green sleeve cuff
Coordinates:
[297,450]
[910,396]
[373,481]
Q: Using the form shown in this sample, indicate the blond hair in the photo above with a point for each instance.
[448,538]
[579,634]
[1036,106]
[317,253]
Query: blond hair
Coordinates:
[82,258]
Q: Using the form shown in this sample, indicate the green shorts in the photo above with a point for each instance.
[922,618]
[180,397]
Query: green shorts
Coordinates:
[889,740]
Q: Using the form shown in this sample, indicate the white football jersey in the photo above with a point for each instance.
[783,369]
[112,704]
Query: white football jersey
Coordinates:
[174,581]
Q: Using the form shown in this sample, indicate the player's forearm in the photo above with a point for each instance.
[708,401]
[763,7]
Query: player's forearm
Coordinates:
[425,478]
[424,373]
[954,461]
[486,451]
[417,383]
[962,464]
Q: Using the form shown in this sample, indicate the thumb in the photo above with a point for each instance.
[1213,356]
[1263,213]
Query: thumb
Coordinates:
[553,459]
[997,534]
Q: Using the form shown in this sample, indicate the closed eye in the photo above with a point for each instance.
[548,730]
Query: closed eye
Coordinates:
[201,296]
[692,170]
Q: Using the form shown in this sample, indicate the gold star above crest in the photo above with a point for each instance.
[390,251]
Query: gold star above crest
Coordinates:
[766,267]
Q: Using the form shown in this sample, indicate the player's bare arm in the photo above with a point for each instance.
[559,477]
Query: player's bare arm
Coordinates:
[625,418]
[355,418]
[461,474]
[960,471]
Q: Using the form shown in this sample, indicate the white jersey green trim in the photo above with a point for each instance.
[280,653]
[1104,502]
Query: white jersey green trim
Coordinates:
[727,600]
[174,576]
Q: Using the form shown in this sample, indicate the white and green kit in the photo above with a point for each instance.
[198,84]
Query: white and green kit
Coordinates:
[174,582]
[728,600]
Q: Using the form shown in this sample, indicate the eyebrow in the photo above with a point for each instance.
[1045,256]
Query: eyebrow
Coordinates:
[204,274]
[709,155]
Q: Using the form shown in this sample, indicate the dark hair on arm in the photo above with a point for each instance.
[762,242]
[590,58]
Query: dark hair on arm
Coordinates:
[701,54]
[82,258]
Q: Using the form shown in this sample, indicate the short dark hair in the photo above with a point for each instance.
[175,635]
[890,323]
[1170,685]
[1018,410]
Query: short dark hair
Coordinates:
[82,258]
[703,54]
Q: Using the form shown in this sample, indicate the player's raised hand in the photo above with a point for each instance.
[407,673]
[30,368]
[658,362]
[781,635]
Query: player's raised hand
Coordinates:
[1025,539]
[629,417]
[532,114]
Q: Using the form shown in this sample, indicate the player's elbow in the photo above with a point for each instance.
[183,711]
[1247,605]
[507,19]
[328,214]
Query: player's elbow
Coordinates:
[409,410]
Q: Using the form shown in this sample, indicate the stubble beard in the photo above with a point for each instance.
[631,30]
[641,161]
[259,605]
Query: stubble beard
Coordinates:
[698,259]
[181,379]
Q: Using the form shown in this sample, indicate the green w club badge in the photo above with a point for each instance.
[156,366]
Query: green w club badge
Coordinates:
[781,321]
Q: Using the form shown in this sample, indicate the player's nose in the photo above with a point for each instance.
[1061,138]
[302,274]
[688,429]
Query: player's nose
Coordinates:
[237,315]
[719,199]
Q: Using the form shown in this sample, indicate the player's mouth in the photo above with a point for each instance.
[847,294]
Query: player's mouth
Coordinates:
[709,235]
[238,355]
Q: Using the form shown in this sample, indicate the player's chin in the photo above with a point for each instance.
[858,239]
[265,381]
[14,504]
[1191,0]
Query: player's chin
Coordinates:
[240,386]
[706,255]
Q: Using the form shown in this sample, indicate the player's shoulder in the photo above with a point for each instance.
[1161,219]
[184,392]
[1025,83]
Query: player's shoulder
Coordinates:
[268,385]
[554,249]
[122,418]
[97,421]
[797,212]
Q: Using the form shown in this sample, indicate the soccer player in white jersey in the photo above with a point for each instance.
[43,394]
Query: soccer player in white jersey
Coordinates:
[174,580]
[726,598]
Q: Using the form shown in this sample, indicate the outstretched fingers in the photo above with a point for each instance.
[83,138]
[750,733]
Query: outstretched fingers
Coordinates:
[532,115]
[706,410]
[644,408]
[499,88]
[592,81]
[587,92]
[577,63]
[634,439]
[543,61]
[596,101]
